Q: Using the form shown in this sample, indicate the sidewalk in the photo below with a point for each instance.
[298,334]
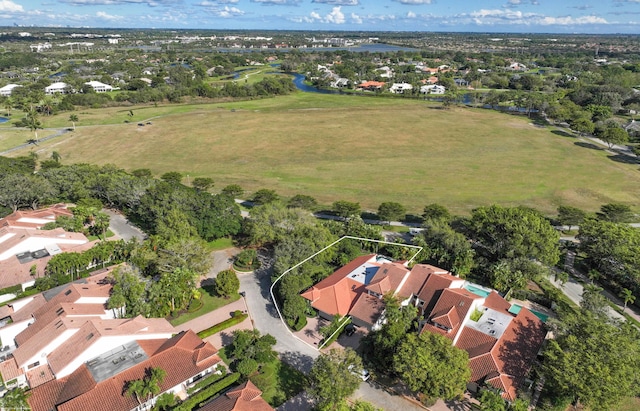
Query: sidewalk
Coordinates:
[214,317]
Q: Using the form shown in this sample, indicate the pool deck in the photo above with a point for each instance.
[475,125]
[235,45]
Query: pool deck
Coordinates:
[534,307]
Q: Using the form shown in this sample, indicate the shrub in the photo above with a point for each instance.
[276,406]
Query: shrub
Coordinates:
[247,367]
[236,319]
[206,381]
[203,395]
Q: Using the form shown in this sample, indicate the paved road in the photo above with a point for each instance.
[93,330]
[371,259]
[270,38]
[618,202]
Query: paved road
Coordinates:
[122,228]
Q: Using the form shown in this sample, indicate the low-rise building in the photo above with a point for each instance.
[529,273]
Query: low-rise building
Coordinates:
[99,87]
[8,89]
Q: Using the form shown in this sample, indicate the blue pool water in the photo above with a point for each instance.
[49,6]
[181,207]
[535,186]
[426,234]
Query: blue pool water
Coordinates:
[3,120]
[477,291]
[515,309]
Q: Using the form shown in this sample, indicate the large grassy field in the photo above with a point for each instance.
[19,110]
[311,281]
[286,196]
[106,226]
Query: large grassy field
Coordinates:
[353,148]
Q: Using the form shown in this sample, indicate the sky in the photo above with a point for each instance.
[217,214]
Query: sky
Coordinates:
[519,16]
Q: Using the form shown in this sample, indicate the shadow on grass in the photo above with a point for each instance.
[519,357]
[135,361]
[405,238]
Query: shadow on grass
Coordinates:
[588,145]
[622,158]
[562,133]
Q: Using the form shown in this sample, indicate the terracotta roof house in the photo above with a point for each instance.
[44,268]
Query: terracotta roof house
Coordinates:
[357,288]
[372,85]
[246,397]
[100,384]
[69,330]
[502,346]
[502,342]
[23,244]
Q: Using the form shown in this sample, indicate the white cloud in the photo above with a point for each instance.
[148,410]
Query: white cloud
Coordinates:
[9,6]
[104,16]
[338,2]
[414,2]
[515,17]
[571,21]
[277,2]
[227,12]
[336,16]
[356,19]
[151,3]
[215,3]
[411,15]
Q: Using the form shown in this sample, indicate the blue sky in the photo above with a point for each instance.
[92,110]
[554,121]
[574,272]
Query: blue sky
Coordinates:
[529,16]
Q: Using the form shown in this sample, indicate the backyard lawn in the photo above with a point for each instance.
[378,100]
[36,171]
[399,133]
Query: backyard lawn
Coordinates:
[210,301]
[354,148]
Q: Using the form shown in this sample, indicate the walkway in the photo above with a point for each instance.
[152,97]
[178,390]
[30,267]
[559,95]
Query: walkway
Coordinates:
[217,316]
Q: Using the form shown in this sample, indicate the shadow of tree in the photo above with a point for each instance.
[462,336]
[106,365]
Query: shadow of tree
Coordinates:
[226,337]
[562,133]
[297,360]
[622,158]
[520,345]
[588,145]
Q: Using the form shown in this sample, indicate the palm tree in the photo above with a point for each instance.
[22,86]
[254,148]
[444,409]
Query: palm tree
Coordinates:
[147,387]
[32,122]
[73,118]
[137,389]
[627,296]
[15,399]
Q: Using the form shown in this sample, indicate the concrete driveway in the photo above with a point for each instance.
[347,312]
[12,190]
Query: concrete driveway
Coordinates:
[121,227]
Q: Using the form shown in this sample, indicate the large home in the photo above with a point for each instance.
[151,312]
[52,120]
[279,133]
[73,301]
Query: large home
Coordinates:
[372,85]
[99,87]
[8,89]
[502,339]
[23,244]
[246,397]
[400,88]
[73,354]
[432,89]
[57,88]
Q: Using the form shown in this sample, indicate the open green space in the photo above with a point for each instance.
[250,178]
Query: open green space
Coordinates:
[278,382]
[353,148]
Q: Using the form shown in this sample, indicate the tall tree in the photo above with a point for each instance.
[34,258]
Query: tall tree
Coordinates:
[628,297]
[570,216]
[615,136]
[616,213]
[341,366]
[73,118]
[512,232]
[592,362]
[346,209]
[429,364]
[391,211]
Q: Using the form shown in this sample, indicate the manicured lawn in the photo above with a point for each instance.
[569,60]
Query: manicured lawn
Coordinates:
[95,237]
[629,404]
[220,244]
[13,137]
[362,149]
[210,302]
[278,382]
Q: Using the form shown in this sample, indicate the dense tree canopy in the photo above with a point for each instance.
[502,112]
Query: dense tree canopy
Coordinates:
[429,364]
[592,362]
[333,377]
[512,232]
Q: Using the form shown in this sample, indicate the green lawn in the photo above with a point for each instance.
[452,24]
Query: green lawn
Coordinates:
[278,382]
[210,302]
[220,244]
[363,149]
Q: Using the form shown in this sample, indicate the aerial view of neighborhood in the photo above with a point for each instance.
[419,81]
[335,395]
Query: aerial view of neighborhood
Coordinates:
[324,207]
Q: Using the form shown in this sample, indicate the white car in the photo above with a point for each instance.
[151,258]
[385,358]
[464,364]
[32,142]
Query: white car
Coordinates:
[363,374]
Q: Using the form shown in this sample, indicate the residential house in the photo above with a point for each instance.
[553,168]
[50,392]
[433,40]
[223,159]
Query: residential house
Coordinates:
[372,85]
[246,397]
[432,89]
[23,244]
[8,89]
[502,340]
[515,66]
[385,72]
[99,87]
[57,88]
[400,88]
[100,383]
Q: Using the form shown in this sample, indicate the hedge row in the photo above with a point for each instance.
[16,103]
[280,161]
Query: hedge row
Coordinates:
[236,319]
[202,396]
[205,382]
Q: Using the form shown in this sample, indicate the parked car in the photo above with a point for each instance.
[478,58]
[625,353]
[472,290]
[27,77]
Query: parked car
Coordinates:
[363,374]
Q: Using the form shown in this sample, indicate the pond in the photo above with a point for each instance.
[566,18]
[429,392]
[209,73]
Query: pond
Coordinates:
[3,120]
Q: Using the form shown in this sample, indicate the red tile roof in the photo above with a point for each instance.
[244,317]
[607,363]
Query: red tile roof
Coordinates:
[79,392]
[337,293]
[246,397]
[367,308]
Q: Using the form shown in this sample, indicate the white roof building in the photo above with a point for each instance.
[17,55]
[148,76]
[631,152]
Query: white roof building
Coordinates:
[58,87]
[432,89]
[99,87]
[400,88]
[8,89]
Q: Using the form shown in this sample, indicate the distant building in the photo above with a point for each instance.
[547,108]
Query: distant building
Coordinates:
[99,87]
[57,88]
[432,89]
[8,89]
[400,88]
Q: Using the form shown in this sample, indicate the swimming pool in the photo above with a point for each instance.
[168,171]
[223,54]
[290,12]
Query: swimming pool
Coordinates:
[515,309]
[477,290]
